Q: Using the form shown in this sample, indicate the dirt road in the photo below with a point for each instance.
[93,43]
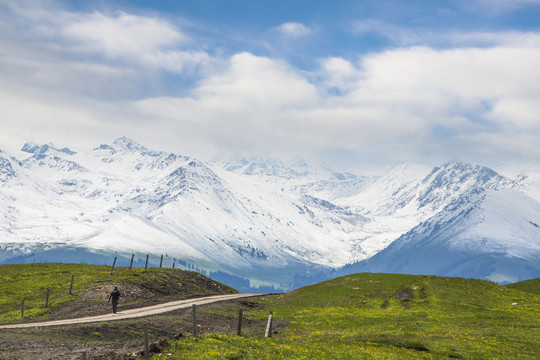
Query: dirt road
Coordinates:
[134,313]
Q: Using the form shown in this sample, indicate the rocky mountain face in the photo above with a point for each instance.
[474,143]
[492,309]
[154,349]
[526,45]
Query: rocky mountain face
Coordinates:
[265,220]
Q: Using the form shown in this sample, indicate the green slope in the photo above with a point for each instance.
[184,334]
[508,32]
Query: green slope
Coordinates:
[91,286]
[530,286]
[367,316]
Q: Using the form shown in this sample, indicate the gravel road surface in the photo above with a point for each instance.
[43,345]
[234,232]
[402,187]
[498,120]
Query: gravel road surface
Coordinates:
[134,313]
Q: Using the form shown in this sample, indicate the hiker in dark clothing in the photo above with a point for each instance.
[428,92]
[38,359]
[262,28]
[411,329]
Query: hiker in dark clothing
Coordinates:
[115,296]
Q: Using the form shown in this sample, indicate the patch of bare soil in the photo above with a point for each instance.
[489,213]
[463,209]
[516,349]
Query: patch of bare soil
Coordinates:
[119,340]
[139,293]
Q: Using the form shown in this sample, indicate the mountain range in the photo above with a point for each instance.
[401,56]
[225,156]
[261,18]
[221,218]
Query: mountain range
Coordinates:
[253,221]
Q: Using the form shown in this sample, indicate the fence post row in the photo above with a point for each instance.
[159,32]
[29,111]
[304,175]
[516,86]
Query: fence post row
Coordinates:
[146,350]
[194,315]
[71,286]
[240,315]
[114,263]
[268,332]
[47,297]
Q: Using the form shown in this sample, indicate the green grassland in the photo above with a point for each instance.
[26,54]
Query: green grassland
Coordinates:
[385,316]
[361,316]
[531,286]
[91,287]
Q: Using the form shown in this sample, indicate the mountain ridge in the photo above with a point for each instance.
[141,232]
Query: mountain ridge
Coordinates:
[268,218]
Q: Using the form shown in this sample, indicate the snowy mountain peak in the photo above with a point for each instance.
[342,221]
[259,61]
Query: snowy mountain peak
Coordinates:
[263,218]
[491,235]
[417,193]
[265,166]
[125,145]
[405,173]
[288,169]
[456,179]
[36,149]
[460,169]
[457,176]
[128,145]
[6,169]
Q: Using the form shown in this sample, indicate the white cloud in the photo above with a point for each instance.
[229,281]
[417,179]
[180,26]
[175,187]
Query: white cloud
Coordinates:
[522,113]
[468,73]
[249,105]
[397,34]
[474,101]
[411,36]
[294,30]
[134,40]
[148,41]
[403,104]
[514,39]
[337,73]
[35,115]
[122,35]
[499,5]
[259,81]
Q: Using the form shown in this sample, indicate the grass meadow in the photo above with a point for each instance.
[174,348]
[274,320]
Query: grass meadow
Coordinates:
[91,286]
[385,316]
[361,316]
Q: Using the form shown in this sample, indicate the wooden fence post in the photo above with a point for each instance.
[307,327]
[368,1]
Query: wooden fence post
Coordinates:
[47,298]
[194,315]
[114,263]
[71,285]
[131,262]
[161,262]
[83,356]
[146,350]
[173,265]
[268,332]
[146,264]
[240,315]
[22,308]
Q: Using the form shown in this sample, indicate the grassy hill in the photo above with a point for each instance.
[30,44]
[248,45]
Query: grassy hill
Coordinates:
[367,316]
[91,287]
[361,316]
[529,286]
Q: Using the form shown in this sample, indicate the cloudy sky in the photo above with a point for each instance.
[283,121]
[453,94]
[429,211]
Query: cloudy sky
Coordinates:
[366,84]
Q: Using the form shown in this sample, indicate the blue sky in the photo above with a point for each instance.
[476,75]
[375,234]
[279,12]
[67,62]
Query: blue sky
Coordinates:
[365,84]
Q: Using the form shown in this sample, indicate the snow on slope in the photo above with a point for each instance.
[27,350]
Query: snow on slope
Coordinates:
[126,198]
[529,183]
[255,217]
[411,193]
[296,176]
[413,189]
[242,223]
[75,206]
[494,235]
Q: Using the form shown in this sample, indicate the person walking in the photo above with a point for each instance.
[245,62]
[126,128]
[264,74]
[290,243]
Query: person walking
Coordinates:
[114,296]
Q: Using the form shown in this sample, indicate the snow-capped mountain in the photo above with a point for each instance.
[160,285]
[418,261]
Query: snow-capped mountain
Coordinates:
[124,198]
[492,235]
[262,219]
[6,168]
[296,176]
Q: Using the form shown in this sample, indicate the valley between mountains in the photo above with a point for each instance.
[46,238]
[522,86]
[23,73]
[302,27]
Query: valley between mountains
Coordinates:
[269,224]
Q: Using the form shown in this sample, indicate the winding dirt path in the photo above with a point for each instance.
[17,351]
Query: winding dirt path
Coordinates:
[134,313]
